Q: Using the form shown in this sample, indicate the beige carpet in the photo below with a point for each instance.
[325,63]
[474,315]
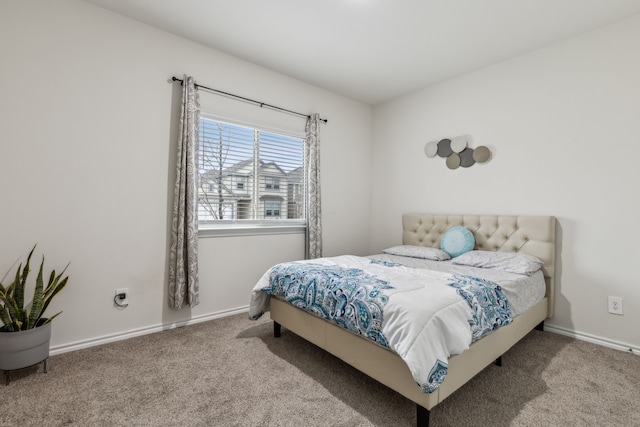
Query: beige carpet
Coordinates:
[232,372]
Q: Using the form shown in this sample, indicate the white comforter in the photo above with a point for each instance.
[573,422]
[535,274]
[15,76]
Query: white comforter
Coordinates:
[425,320]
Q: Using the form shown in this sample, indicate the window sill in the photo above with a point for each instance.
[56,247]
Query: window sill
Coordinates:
[250,230]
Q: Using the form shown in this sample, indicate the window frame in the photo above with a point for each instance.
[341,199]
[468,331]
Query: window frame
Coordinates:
[244,227]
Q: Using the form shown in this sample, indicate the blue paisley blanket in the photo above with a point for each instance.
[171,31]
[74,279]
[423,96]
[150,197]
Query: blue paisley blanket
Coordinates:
[424,316]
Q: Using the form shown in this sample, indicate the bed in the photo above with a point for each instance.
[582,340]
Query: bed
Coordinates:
[529,235]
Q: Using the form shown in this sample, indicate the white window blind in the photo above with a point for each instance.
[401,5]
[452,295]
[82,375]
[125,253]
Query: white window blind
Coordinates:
[249,176]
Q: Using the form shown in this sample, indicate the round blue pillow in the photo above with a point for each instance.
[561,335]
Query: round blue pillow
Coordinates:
[457,240]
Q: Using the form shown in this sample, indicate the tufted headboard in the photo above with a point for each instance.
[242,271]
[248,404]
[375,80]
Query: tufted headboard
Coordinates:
[533,235]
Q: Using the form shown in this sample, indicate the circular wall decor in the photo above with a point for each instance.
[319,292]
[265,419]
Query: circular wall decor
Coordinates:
[444,147]
[431,149]
[457,152]
[481,154]
[453,161]
[466,158]
[458,144]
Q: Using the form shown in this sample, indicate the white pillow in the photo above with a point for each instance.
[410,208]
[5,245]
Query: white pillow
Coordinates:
[424,252]
[505,261]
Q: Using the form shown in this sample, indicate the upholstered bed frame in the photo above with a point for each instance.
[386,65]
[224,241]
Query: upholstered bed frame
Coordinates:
[533,235]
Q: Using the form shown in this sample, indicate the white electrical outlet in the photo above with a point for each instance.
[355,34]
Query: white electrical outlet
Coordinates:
[615,305]
[122,302]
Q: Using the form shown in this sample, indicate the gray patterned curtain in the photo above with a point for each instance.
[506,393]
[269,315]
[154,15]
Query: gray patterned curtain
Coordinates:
[312,158]
[183,255]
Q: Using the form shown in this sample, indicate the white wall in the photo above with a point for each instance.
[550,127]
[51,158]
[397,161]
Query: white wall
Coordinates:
[88,125]
[562,123]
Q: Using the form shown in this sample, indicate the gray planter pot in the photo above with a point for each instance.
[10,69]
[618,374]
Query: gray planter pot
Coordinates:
[24,348]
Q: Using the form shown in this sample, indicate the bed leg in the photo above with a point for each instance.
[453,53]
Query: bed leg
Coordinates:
[498,361]
[540,326]
[422,416]
[277,329]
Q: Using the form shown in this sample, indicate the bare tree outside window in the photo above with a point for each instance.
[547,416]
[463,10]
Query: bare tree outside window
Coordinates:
[214,149]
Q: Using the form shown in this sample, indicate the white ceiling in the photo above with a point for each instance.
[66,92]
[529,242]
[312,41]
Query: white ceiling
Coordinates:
[374,50]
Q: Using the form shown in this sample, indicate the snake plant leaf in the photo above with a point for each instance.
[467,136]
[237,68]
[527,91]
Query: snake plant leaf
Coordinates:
[50,318]
[6,320]
[13,311]
[21,284]
[53,281]
[18,313]
[51,292]
[52,276]
[5,316]
[36,302]
[17,284]
[9,289]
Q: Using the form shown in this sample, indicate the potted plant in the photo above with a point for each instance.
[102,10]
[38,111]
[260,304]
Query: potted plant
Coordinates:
[25,334]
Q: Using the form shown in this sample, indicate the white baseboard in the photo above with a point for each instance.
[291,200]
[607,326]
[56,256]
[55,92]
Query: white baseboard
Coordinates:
[593,339]
[204,318]
[142,331]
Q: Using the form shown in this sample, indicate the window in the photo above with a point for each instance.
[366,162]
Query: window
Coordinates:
[271,210]
[271,183]
[240,182]
[247,175]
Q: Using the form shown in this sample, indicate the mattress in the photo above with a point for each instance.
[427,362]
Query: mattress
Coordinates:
[522,292]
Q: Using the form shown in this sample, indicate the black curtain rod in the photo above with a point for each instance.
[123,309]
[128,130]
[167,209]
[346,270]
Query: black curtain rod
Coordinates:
[261,104]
